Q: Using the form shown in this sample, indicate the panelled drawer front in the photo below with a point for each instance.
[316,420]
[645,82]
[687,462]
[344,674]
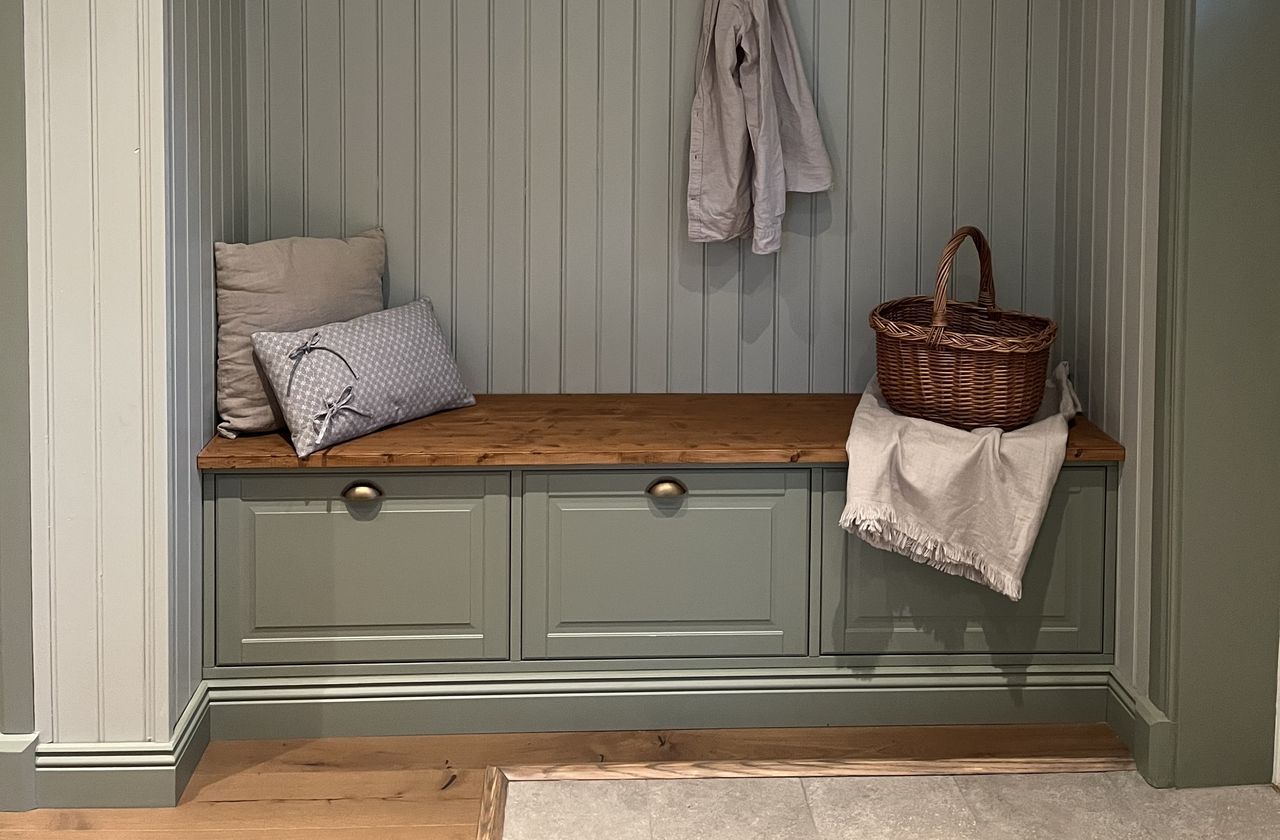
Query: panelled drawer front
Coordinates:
[877,602]
[610,571]
[304,576]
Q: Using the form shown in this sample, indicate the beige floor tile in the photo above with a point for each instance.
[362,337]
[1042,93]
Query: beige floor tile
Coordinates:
[730,809]
[577,810]
[916,807]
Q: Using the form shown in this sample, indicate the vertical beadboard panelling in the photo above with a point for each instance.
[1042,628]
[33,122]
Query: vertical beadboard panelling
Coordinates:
[580,298]
[1110,181]
[793,289]
[323,117]
[651,231]
[939,88]
[974,128]
[206,185]
[544,221]
[528,160]
[358,55]
[507,205]
[398,86]
[96,219]
[286,99]
[435,155]
[121,451]
[865,184]
[72,394]
[257,105]
[1041,152]
[686,279]
[1094,311]
[615,337]
[829,269]
[901,138]
[1006,163]
[473,189]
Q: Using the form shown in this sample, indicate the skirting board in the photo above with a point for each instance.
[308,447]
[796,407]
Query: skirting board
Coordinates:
[17,772]
[105,775]
[1148,733]
[569,702]
[124,775]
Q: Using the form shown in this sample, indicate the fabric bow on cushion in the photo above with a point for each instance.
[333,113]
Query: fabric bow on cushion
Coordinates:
[342,380]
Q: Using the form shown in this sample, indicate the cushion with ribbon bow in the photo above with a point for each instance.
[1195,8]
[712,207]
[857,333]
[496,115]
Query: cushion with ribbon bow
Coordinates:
[342,380]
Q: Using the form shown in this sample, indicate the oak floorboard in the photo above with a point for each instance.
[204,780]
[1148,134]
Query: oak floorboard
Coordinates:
[466,831]
[430,786]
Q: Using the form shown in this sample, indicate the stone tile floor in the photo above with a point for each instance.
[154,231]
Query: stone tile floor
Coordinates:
[1086,806]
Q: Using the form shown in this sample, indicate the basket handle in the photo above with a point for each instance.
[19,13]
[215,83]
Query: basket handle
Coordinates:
[987,288]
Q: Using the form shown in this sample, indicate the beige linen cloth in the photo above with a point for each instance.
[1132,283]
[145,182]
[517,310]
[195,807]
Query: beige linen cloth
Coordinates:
[965,503]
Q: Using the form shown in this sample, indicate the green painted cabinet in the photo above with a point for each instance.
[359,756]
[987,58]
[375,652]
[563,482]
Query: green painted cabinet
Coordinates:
[305,576]
[610,571]
[874,602]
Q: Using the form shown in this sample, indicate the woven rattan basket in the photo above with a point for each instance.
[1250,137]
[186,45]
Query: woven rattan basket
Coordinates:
[963,364]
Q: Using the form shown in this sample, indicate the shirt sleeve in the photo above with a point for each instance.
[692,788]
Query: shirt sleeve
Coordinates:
[769,184]
[720,151]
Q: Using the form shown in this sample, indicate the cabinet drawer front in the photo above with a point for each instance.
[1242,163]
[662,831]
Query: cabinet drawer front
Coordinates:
[875,602]
[304,576]
[610,571]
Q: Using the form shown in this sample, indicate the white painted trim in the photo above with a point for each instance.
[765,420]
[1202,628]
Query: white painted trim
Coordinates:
[141,774]
[164,753]
[98,364]
[38,355]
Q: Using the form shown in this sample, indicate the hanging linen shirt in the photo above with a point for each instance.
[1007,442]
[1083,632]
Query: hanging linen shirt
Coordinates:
[754,134]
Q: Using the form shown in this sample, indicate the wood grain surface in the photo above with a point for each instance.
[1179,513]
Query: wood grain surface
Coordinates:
[596,429]
[431,787]
[813,768]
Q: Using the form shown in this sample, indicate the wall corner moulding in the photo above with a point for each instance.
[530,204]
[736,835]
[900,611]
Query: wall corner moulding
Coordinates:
[96,217]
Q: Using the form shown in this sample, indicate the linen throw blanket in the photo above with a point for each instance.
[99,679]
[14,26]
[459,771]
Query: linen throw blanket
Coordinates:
[965,503]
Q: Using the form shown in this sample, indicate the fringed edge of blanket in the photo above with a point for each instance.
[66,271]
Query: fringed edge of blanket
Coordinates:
[882,527]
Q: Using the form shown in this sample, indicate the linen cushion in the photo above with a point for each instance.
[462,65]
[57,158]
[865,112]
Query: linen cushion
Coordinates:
[344,380]
[284,284]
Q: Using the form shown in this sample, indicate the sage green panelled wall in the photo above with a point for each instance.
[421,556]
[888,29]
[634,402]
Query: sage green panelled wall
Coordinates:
[1219,575]
[205,153]
[528,160]
[16,704]
[1108,206]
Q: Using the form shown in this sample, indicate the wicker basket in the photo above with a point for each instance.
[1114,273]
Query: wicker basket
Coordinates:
[963,364]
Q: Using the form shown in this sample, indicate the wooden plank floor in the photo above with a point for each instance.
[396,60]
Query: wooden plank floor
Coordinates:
[429,787]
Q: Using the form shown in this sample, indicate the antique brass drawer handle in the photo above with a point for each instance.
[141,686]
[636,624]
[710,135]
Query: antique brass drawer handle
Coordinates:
[666,488]
[360,492]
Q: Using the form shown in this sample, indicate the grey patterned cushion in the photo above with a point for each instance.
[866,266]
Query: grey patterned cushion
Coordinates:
[347,379]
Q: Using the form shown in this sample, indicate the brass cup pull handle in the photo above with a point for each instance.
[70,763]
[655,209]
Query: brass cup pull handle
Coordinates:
[666,488]
[362,492]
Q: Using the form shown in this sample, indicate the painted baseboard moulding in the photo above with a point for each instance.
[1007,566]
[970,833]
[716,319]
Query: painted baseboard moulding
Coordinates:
[155,774]
[104,775]
[1148,733]
[17,771]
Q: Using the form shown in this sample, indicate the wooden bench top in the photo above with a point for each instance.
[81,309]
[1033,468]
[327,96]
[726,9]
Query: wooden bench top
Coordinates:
[596,429]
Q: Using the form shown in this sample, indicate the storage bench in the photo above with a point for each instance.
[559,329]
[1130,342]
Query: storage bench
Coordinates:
[673,538]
